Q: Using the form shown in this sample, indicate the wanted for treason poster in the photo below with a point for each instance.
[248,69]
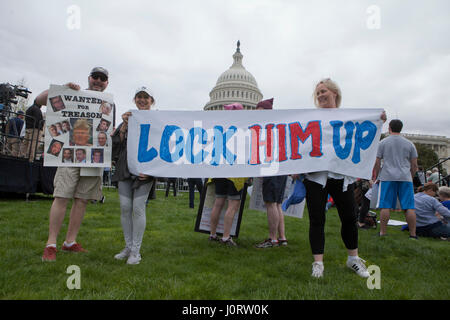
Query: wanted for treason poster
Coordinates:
[78,126]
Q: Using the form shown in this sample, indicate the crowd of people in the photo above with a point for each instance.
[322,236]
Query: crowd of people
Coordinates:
[24,133]
[393,173]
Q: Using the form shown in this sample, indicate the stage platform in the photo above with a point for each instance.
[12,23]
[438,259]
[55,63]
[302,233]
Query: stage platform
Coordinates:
[18,175]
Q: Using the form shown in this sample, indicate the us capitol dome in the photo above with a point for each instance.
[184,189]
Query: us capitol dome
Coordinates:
[235,85]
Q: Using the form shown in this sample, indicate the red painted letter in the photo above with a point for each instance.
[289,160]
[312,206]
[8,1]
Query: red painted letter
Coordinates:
[314,130]
[257,143]
[281,142]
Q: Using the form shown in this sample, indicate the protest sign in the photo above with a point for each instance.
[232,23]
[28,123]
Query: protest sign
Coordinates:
[257,202]
[252,143]
[78,125]
[203,221]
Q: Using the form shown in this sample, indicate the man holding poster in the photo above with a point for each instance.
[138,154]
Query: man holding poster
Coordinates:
[80,181]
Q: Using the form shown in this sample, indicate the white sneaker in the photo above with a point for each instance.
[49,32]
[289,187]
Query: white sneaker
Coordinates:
[317,270]
[358,265]
[125,253]
[134,258]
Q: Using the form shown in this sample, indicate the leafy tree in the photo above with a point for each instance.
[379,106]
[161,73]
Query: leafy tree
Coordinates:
[426,156]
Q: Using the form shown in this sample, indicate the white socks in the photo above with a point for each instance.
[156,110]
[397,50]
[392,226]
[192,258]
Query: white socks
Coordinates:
[65,243]
[69,244]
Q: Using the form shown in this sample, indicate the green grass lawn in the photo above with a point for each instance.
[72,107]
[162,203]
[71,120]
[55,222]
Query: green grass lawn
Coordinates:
[178,263]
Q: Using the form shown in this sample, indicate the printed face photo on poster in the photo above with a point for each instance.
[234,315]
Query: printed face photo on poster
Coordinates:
[103,125]
[102,139]
[57,103]
[80,156]
[67,155]
[105,108]
[59,128]
[55,147]
[81,133]
[65,126]
[97,155]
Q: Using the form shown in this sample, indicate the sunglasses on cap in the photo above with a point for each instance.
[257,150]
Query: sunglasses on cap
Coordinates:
[100,76]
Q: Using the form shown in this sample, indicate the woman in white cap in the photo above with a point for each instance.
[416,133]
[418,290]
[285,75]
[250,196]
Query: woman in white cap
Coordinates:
[133,190]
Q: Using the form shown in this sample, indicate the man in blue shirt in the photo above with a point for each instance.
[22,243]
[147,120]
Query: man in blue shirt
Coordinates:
[428,223]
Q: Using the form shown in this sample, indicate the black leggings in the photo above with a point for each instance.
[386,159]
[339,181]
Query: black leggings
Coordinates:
[316,198]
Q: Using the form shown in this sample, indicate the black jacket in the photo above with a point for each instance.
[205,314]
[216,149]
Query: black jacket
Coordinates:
[119,158]
[33,119]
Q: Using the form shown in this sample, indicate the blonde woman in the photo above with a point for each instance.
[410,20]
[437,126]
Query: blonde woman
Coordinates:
[319,184]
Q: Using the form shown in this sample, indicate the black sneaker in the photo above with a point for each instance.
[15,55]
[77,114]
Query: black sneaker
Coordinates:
[413,238]
[213,238]
[282,242]
[268,243]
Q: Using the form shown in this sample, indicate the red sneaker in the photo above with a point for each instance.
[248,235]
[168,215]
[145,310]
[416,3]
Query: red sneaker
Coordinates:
[49,254]
[74,248]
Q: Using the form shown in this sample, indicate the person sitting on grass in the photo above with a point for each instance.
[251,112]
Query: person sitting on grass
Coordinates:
[444,196]
[430,213]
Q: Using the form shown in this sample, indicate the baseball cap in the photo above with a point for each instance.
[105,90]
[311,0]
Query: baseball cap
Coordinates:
[20,112]
[144,89]
[100,70]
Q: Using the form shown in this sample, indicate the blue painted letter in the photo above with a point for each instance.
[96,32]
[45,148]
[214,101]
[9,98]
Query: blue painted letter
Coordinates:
[227,154]
[363,142]
[164,147]
[342,153]
[145,155]
[200,156]
[217,146]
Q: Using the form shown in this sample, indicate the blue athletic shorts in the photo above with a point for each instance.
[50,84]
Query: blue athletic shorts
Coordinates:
[390,190]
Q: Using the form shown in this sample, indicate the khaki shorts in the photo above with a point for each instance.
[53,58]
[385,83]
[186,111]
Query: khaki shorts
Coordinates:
[69,184]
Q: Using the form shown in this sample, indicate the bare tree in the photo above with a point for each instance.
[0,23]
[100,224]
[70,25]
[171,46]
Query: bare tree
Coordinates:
[22,103]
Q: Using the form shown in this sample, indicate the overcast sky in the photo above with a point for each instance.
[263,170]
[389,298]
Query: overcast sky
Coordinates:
[389,54]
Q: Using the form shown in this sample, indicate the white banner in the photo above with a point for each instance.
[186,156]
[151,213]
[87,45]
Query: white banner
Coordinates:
[253,143]
[78,125]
